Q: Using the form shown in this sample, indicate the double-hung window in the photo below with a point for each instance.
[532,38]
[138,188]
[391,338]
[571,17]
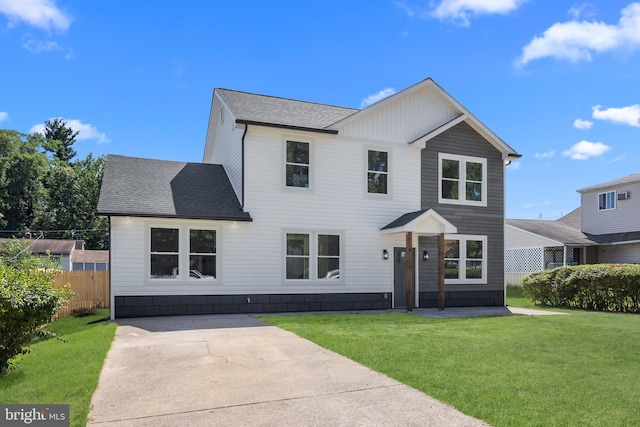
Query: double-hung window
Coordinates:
[312,256]
[607,201]
[377,172]
[297,164]
[202,254]
[165,253]
[462,180]
[465,259]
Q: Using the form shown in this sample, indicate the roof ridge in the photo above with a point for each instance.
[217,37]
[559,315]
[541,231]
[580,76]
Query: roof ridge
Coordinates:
[288,99]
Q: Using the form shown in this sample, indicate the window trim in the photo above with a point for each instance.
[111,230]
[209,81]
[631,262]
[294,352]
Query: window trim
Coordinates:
[463,238]
[367,171]
[310,175]
[313,257]
[184,253]
[463,181]
[613,199]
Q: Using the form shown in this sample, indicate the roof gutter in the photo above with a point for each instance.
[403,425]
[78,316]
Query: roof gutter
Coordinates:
[281,126]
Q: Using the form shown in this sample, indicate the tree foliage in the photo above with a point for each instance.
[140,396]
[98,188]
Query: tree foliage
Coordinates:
[60,139]
[38,192]
[28,300]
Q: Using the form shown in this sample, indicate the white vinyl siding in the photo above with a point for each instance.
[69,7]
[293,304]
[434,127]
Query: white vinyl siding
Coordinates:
[622,219]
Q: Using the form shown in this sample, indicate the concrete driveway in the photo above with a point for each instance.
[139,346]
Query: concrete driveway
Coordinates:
[235,370]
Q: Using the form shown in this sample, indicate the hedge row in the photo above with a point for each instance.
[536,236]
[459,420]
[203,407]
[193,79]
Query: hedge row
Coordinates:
[602,287]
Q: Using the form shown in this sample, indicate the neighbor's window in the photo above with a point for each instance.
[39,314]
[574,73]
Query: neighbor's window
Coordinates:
[164,253]
[297,256]
[297,164]
[377,171]
[462,179]
[607,201]
[202,254]
[328,256]
[465,259]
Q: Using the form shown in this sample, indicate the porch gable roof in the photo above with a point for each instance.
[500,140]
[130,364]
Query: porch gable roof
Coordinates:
[423,222]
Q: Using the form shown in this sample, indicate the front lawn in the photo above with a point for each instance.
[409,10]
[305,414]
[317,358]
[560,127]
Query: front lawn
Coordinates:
[581,369]
[64,369]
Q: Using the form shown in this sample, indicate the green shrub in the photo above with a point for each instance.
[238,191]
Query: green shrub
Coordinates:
[28,301]
[602,287]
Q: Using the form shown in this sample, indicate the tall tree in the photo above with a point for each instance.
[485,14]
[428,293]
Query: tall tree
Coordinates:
[22,169]
[60,139]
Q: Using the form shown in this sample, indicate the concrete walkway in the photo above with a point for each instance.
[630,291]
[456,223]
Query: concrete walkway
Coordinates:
[235,370]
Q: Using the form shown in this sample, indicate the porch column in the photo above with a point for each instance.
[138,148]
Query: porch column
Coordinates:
[441,271]
[409,251]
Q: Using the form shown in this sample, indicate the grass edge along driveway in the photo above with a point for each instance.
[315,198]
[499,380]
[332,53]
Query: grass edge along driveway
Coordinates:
[580,369]
[64,369]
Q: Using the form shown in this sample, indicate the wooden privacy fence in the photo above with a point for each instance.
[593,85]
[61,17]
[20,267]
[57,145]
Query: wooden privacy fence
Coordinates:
[91,289]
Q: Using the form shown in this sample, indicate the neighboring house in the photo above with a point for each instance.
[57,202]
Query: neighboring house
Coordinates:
[90,260]
[301,206]
[62,251]
[605,229]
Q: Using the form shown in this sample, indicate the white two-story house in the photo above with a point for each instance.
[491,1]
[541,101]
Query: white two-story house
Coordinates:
[299,206]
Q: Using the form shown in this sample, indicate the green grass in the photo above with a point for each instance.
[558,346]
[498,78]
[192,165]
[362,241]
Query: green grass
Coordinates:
[64,369]
[575,370]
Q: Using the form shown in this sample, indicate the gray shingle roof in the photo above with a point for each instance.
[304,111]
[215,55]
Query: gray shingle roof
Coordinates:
[270,110]
[404,219]
[565,230]
[159,188]
[620,181]
[53,246]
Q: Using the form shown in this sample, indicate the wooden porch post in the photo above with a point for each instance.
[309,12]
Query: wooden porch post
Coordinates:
[409,250]
[441,271]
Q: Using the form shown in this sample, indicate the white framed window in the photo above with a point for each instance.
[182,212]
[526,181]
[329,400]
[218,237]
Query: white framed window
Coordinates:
[297,164]
[165,253]
[607,201]
[313,256]
[465,259]
[462,180]
[202,254]
[182,252]
[377,172]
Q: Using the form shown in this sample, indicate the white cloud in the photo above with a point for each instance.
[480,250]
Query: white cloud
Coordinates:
[576,41]
[515,165]
[626,115]
[372,99]
[547,155]
[582,10]
[582,124]
[462,10]
[86,131]
[585,149]
[3,116]
[43,14]
[37,46]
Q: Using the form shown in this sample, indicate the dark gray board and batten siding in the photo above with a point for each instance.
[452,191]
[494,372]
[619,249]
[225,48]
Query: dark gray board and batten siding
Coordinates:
[475,220]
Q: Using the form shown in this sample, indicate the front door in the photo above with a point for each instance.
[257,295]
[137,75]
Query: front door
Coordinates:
[400,277]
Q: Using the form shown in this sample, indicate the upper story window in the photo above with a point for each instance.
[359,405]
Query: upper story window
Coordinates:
[462,180]
[607,201]
[297,164]
[377,172]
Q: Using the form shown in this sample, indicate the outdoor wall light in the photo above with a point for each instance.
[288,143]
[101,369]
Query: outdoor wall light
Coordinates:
[425,255]
[385,254]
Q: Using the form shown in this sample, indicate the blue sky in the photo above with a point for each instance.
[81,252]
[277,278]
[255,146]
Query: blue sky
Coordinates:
[559,81]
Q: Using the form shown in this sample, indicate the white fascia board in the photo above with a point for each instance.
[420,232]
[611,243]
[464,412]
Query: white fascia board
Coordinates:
[422,141]
[429,223]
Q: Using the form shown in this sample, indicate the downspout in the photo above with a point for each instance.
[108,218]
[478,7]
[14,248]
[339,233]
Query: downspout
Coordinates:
[246,128]
[112,299]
